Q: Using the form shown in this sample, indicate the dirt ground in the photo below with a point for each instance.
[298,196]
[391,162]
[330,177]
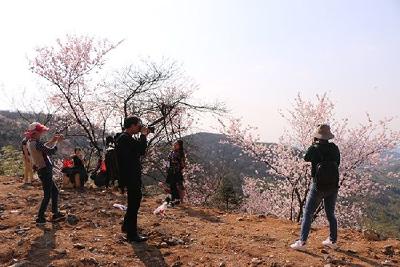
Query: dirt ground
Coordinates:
[186,236]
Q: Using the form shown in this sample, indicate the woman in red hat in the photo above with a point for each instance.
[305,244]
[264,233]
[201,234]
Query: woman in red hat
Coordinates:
[39,153]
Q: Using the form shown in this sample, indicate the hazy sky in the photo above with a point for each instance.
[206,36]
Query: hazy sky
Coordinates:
[254,55]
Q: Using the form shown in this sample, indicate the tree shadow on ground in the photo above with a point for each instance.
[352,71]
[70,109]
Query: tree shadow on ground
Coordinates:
[39,253]
[201,215]
[358,257]
[149,255]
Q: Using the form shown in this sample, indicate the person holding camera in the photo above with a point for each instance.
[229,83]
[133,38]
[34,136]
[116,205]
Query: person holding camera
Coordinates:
[325,160]
[129,152]
[39,153]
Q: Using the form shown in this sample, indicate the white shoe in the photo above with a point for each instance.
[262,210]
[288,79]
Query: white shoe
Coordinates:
[298,245]
[329,243]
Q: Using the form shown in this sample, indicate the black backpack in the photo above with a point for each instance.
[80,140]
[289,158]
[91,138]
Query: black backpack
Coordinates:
[326,175]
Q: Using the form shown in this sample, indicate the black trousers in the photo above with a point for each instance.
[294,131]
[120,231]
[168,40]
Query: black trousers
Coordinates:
[174,191]
[131,215]
[50,191]
[175,182]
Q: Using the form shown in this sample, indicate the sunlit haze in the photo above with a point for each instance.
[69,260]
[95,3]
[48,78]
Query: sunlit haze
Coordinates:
[253,55]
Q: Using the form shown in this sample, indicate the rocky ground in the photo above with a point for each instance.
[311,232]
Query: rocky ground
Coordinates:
[186,236]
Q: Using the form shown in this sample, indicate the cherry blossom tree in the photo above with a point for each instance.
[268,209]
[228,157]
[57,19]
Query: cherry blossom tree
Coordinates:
[283,192]
[70,66]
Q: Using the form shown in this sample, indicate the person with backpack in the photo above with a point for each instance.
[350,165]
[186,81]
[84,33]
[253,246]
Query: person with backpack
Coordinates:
[28,170]
[325,160]
[111,162]
[99,174]
[129,152]
[39,152]
[176,164]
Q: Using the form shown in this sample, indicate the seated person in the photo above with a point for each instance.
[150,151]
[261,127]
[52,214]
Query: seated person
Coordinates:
[75,174]
[67,171]
[99,174]
[79,172]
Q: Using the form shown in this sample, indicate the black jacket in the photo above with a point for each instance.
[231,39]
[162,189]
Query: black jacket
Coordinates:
[322,152]
[129,150]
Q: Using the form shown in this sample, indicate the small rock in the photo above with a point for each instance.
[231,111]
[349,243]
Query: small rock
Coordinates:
[324,251]
[177,264]
[328,265]
[163,245]
[222,264]
[261,216]
[21,242]
[327,258]
[352,251]
[388,250]
[4,227]
[23,263]
[72,219]
[240,219]
[60,251]
[89,261]
[256,261]
[387,263]
[79,246]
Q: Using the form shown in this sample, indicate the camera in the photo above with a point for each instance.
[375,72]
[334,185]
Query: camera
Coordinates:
[151,128]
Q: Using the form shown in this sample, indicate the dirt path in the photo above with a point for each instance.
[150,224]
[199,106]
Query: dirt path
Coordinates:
[187,236]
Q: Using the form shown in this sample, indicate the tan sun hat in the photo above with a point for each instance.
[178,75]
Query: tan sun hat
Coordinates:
[323,132]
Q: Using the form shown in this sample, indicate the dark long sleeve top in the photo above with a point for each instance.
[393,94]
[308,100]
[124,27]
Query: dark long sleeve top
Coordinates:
[129,151]
[320,152]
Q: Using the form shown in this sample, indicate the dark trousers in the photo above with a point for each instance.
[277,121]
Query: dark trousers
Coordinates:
[175,181]
[174,191]
[50,190]
[130,219]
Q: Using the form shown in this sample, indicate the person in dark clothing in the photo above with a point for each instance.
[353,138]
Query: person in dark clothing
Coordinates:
[129,152]
[176,164]
[321,151]
[111,162]
[79,171]
[99,174]
[39,153]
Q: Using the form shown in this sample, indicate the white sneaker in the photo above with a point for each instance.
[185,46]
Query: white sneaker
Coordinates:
[298,245]
[329,243]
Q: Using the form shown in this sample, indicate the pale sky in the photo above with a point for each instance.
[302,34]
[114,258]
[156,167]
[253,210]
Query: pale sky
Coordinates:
[253,55]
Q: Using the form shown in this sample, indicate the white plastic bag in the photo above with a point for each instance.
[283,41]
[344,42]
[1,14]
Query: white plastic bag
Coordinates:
[161,209]
[120,206]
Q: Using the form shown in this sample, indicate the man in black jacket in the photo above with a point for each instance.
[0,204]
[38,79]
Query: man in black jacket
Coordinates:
[129,152]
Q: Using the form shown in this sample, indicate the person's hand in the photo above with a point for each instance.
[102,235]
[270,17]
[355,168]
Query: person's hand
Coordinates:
[60,137]
[145,131]
[54,139]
